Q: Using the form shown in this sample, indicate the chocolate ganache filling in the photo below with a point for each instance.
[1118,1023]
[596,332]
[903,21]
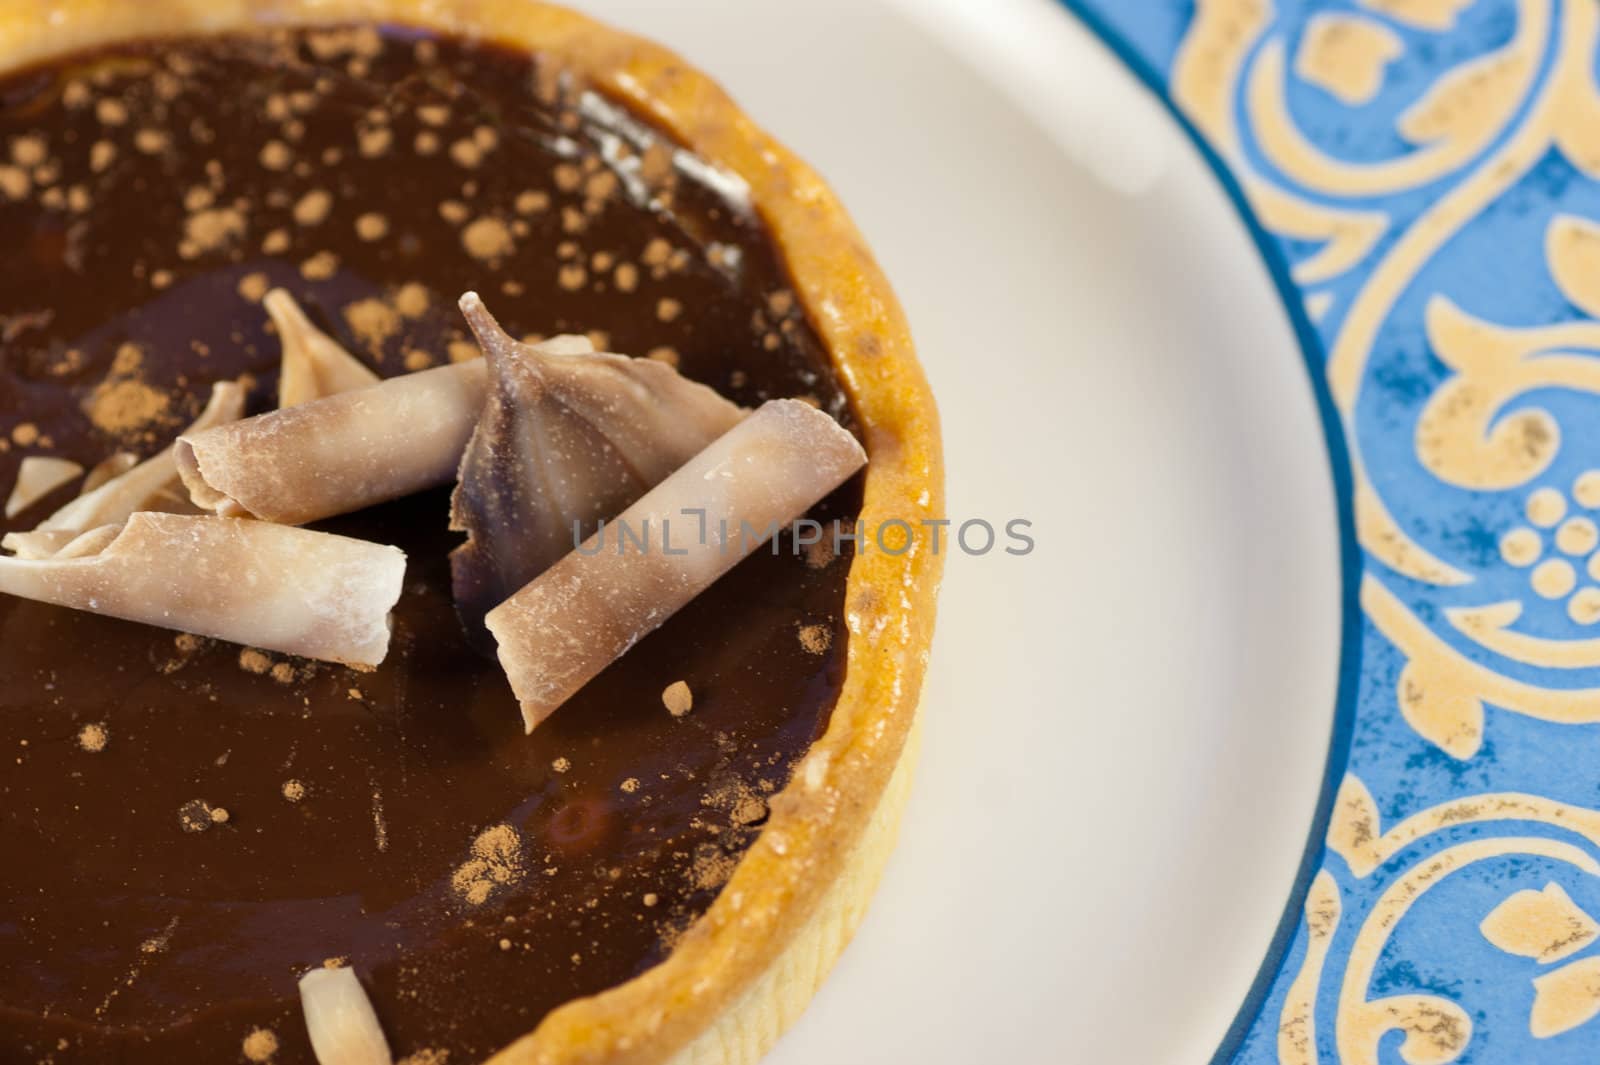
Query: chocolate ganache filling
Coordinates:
[190,825]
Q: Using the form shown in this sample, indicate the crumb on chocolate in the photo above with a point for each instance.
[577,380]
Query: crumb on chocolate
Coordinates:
[374,142]
[373,322]
[572,276]
[197,815]
[254,286]
[487,239]
[93,737]
[320,267]
[380,825]
[815,639]
[313,208]
[211,230]
[260,1045]
[677,698]
[496,861]
[372,226]
[253,661]
[821,553]
[110,111]
[412,300]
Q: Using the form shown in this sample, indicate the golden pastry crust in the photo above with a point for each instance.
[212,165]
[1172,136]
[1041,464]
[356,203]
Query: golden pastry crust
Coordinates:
[744,970]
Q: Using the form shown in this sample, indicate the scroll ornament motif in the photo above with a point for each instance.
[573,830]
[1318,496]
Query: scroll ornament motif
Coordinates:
[1475,497]
[1477,129]
[1405,863]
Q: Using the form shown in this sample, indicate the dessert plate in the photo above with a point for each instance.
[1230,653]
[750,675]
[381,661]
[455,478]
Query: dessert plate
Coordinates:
[1128,743]
[1127,727]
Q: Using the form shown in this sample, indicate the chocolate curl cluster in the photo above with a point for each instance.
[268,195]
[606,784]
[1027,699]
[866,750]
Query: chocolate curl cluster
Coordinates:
[587,610]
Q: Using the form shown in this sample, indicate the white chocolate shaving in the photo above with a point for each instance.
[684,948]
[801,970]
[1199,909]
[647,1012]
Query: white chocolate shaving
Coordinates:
[340,1020]
[79,545]
[37,543]
[152,485]
[587,610]
[61,543]
[113,465]
[270,586]
[339,453]
[37,477]
[567,438]
[314,365]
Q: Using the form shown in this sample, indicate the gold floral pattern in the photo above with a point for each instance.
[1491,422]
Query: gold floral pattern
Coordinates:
[1479,532]
[1548,926]
[1544,925]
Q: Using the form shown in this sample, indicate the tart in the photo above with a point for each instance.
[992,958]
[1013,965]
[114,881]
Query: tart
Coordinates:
[667,865]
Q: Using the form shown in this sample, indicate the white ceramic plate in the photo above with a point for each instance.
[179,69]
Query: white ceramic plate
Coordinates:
[1125,730]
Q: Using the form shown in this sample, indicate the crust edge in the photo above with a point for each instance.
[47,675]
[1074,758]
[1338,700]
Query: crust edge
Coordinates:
[744,1033]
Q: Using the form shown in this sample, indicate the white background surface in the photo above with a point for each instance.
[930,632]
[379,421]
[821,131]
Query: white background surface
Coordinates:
[1125,730]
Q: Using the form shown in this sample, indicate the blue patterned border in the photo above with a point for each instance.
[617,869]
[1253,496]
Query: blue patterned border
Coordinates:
[1423,178]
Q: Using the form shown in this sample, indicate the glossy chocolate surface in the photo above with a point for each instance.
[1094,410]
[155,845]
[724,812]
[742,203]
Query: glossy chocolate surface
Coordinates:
[187,826]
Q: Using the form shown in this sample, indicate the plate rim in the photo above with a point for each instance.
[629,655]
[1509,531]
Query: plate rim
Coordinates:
[1313,356]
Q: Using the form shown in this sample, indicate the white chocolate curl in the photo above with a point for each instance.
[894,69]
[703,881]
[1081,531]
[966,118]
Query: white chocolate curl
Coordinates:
[152,485]
[61,543]
[271,586]
[568,437]
[314,365]
[587,610]
[113,465]
[340,1020]
[340,453]
[37,477]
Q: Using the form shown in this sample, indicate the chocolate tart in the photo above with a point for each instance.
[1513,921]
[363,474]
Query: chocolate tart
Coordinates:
[189,823]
